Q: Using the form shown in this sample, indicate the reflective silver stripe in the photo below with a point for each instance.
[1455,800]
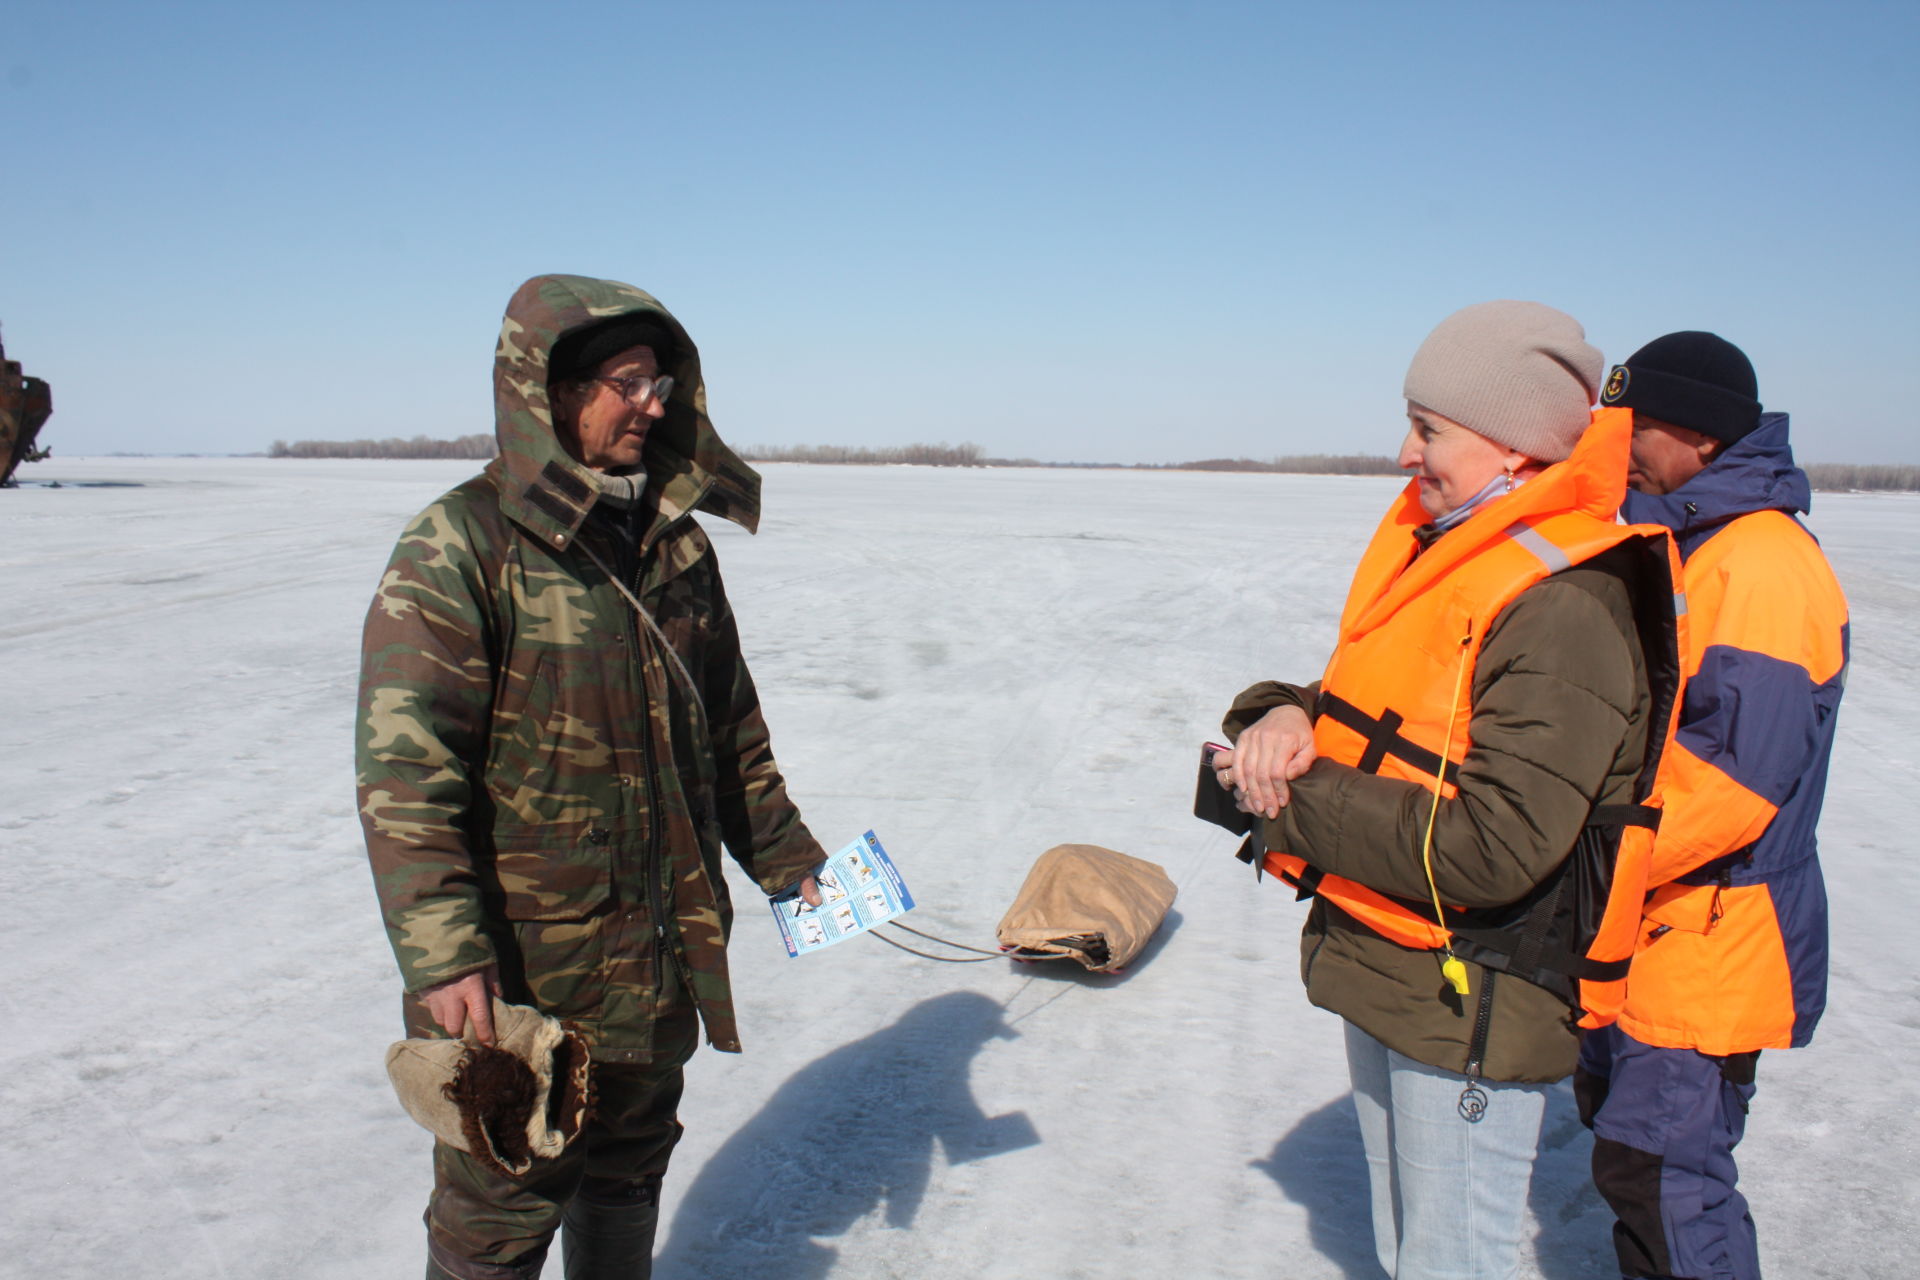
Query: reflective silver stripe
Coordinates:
[1551,556]
[1679,604]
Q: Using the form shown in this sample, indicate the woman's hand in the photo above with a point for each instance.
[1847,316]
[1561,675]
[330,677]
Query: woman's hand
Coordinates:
[1274,750]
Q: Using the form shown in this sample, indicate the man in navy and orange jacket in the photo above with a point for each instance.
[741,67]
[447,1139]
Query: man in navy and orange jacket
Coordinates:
[1732,956]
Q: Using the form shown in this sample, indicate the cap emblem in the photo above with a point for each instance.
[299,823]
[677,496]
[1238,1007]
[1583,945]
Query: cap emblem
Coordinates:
[1616,385]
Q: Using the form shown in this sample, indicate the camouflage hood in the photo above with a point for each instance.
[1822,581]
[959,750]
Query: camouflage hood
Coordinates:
[546,491]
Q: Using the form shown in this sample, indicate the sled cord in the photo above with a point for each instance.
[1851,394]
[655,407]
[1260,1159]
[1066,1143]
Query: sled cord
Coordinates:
[979,954]
[928,955]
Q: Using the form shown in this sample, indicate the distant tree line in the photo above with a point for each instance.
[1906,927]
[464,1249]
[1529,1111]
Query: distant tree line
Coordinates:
[1824,475]
[478,447]
[924,455]
[1830,476]
[972,455]
[1851,475]
[1310,464]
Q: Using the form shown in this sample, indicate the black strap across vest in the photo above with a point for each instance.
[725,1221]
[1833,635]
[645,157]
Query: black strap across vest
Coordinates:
[1496,948]
[1383,737]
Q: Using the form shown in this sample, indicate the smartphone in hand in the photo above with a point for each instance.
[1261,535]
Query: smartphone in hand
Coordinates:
[1213,802]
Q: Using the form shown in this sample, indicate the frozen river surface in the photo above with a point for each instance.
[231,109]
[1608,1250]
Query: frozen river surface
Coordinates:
[976,664]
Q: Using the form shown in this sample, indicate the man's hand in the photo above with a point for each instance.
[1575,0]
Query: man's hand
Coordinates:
[1274,750]
[452,1004]
[810,890]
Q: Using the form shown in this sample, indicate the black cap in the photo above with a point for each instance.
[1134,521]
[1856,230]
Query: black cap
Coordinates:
[1692,379]
[579,352]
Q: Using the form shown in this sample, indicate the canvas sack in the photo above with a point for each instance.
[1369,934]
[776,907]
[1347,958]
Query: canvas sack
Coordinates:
[1096,905]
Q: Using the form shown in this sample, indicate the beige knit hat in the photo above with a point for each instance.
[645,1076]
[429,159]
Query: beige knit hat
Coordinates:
[524,1099]
[1519,373]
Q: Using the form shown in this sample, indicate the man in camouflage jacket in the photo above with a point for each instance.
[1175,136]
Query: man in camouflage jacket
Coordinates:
[546,775]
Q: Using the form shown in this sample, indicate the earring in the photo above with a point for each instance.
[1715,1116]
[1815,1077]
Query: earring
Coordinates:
[1509,479]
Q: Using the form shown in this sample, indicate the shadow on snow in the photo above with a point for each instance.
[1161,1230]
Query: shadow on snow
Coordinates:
[848,1133]
[1321,1167]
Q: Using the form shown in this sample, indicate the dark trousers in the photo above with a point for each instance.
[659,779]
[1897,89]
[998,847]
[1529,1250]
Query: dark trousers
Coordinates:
[485,1224]
[1665,1123]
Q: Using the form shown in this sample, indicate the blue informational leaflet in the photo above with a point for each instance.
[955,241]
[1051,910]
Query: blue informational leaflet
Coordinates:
[859,889]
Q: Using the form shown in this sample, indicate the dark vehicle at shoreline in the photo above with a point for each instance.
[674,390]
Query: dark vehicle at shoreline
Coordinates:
[25,405]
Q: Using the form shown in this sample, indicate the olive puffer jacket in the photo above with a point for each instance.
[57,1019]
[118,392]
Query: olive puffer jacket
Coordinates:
[1561,708]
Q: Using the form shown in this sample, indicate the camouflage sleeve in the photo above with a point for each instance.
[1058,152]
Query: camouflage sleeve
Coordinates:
[425,698]
[760,822]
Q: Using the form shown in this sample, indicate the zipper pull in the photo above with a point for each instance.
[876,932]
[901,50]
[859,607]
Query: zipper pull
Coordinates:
[1722,883]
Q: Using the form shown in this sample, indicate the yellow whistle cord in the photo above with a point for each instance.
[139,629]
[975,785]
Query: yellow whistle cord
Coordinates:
[1452,968]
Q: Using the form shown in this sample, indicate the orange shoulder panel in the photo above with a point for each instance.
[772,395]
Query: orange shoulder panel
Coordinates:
[1762,584]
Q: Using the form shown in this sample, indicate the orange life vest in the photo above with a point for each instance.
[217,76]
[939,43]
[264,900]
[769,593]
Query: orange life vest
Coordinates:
[1412,629]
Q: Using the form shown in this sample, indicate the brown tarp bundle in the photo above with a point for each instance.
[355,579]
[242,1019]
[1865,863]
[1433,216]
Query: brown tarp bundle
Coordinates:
[1093,904]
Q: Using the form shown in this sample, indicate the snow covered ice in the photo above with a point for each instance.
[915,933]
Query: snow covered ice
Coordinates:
[978,664]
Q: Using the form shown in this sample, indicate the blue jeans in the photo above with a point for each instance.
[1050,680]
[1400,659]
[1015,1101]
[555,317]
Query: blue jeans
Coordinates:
[1449,1194]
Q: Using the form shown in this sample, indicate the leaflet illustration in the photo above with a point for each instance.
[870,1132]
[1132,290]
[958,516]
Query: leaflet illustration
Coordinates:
[859,888]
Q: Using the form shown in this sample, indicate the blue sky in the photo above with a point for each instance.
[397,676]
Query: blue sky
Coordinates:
[1116,231]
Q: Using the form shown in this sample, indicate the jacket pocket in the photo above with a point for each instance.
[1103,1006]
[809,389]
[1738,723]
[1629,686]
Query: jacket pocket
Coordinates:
[538,885]
[554,908]
[1686,907]
[1442,641]
[520,750]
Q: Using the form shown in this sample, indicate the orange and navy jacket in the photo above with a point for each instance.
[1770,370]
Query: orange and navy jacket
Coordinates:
[1733,952]
[1411,629]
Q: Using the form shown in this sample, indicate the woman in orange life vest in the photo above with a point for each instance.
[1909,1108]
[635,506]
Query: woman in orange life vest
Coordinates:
[1469,787]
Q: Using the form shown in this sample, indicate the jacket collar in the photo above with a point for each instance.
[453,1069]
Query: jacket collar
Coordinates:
[1591,480]
[1755,473]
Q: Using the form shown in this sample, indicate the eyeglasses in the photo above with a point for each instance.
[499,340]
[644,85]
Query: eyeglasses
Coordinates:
[638,391]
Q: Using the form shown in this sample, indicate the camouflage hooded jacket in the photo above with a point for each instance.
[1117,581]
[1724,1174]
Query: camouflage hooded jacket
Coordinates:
[537,786]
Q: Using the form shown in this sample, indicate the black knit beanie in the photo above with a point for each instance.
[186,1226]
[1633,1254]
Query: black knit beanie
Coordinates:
[1691,379]
[579,352]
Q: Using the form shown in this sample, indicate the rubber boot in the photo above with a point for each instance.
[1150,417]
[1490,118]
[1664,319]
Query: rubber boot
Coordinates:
[607,1232]
[443,1265]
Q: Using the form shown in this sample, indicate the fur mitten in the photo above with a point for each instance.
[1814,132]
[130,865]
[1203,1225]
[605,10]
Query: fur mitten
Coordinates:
[520,1100]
